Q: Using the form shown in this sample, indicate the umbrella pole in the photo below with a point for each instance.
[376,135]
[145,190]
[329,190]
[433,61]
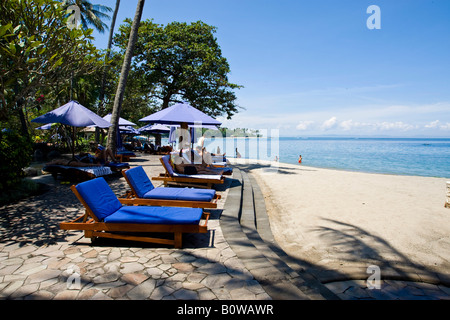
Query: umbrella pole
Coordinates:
[73,143]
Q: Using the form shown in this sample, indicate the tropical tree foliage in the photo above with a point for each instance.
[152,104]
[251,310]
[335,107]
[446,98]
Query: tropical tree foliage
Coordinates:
[13,158]
[183,62]
[38,51]
[92,15]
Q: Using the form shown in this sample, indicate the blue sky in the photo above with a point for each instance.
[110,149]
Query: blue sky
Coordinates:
[315,68]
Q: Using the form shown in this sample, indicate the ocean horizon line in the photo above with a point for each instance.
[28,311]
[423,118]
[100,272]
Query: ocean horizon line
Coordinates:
[307,166]
[335,137]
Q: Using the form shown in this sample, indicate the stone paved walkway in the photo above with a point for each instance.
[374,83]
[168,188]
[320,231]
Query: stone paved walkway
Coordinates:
[39,261]
[77,270]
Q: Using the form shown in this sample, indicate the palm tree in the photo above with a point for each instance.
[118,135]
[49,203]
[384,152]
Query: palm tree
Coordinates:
[91,14]
[108,54]
[126,66]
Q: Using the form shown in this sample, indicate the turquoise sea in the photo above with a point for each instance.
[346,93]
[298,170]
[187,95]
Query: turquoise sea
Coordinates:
[403,156]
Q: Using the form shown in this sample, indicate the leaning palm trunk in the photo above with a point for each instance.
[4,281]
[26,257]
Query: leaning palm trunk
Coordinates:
[113,130]
[107,56]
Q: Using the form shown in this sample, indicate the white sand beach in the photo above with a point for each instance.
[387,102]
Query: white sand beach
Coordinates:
[346,221]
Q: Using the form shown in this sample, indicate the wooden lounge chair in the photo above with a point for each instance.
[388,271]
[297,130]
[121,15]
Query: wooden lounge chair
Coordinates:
[124,155]
[143,192]
[193,156]
[74,173]
[197,180]
[106,217]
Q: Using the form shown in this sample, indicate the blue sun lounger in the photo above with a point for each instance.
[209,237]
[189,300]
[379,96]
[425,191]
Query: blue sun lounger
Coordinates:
[107,217]
[194,180]
[143,192]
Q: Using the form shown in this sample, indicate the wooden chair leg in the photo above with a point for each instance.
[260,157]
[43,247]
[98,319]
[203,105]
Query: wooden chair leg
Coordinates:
[178,240]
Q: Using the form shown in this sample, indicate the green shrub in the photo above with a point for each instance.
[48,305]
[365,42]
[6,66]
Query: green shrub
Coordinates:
[15,155]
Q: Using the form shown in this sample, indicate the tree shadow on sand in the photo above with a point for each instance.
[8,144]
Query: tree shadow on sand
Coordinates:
[358,249]
[276,167]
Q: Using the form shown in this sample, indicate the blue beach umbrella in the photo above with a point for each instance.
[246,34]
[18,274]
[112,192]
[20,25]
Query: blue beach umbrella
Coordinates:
[154,128]
[122,122]
[45,127]
[75,115]
[128,130]
[181,113]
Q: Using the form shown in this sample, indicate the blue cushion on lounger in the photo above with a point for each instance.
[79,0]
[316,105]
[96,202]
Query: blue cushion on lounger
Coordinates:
[118,165]
[99,197]
[139,180]
[155,215]
[185,194]
[167,165]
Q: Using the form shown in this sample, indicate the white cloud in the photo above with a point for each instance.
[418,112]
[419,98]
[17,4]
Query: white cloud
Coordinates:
[433,124]
[347,125]
[445,126]
[329,124]
[304,125]
[399,125]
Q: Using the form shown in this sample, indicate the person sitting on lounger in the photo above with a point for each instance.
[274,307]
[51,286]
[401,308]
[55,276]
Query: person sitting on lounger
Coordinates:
[182,165]
[102,154]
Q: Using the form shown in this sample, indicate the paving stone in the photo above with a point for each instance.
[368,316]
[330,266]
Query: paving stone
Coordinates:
[263,296]
[339,287]
[206,294]
[66,295]
[22,251]
[114,254]
[120,291]
[142,291]
[183,267]
[40,295]
[90,254]
[254,287]
[192,286]
[44,275]
[155,272]
[160,292]
[29,271]
[131,267]
[357,292]
[129,259]
[221,293]
[195,277]
[14,277]
[212,268]
[12,261]
[184,294]
[24,291]
[100,296]
[48,283]
[34,259]
[168,259]
[242,294]
[134,278]
[11,247]
[216,280]
[444,289]
[11,288]
[107,278]
[165,266]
